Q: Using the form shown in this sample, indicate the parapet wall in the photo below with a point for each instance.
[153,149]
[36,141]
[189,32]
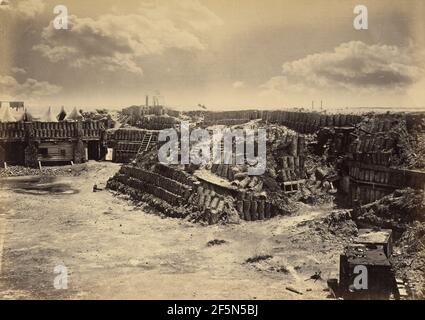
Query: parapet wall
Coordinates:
[372,182]
[126,134]
[18,131]
[157,122]
[126,142]
[377,156]
[302,122]
[247,115]
[309,122]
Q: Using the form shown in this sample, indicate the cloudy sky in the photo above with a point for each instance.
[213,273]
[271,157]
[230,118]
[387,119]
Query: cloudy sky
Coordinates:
[220,53]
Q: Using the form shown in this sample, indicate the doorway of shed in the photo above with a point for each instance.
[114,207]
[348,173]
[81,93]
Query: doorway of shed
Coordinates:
[93,150]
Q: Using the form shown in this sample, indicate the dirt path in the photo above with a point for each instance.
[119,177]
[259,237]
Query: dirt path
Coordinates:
[114,250]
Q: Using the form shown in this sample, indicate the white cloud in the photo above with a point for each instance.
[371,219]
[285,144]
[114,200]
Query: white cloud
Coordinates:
[238,85]
[30,88]
[116,42]
[25,8]
[17,70]
[351,67]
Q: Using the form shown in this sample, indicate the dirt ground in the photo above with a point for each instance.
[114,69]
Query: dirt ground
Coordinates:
[113,250]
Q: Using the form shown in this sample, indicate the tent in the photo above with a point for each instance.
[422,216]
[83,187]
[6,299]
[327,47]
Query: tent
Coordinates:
[62,114]
[5,115]
[74,116]
[48,116]
[26,116]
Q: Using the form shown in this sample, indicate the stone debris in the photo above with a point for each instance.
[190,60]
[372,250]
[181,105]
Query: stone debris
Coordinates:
[16,171]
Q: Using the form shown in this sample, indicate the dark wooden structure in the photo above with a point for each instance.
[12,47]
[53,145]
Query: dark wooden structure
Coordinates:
[28,143]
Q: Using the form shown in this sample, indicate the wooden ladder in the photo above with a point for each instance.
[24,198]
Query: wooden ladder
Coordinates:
[144,146]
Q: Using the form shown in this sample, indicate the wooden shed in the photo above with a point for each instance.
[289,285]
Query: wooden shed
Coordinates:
[60,151]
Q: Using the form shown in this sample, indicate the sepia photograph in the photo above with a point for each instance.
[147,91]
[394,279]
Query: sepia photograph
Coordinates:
[235,151]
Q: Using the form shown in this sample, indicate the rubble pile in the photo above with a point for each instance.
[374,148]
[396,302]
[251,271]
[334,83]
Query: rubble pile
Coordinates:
[416,128]
[417,159]
[173,192]
[403,211]
[167,190]
[409,261]
[319,186]
[395,211]
[320,171]
[372,158]
[338,226]
[213,208]
[288,152]
[176,193]
[185,191]
[363,157]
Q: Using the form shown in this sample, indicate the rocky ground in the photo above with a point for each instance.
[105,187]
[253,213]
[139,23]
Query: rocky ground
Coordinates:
[112,249]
